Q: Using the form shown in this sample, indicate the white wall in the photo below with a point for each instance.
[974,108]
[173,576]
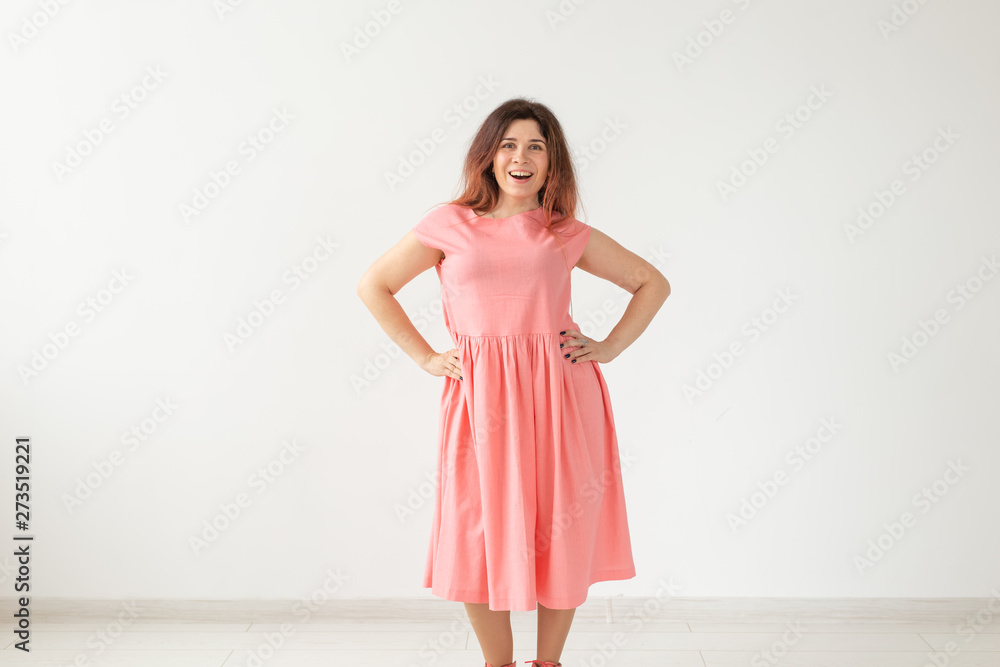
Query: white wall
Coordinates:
[653,187]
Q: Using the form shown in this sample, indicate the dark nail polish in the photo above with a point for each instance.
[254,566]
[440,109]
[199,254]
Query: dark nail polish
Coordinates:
[574,361]
[560,344]
[562,333]
[566,356]
[460,377]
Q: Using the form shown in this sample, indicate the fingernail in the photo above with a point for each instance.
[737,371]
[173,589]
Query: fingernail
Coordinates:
[560,344]
[566,356]
[574,361]
[562,333]
[460,377]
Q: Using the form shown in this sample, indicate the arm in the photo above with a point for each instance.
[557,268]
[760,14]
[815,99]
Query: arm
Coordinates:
[605,258]
[383,279]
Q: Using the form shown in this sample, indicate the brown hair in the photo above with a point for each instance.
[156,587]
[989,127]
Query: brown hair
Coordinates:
[558,197]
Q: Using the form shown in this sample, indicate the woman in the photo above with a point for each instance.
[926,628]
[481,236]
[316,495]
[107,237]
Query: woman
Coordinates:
[530,507]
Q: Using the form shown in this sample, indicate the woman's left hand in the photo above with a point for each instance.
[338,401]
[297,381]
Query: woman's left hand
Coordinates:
[575,350]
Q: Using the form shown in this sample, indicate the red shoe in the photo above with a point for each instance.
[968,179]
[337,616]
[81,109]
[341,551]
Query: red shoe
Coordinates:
[542,663]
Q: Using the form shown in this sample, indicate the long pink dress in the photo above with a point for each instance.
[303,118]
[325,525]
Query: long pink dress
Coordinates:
[530,505]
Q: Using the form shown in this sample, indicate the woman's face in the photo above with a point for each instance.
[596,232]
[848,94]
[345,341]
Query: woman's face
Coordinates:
[522,150]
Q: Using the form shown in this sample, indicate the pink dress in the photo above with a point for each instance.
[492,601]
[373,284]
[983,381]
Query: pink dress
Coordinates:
[530,505]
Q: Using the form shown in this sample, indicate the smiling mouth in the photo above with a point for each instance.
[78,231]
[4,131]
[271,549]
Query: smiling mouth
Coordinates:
[520,175]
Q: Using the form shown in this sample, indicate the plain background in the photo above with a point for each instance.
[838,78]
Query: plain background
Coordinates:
[653,138]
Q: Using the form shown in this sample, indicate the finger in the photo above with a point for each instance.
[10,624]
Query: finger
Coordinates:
[573,339]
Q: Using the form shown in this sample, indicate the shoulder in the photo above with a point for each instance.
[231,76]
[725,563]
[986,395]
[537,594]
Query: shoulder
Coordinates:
[570,227]
[439,227]
[446,214]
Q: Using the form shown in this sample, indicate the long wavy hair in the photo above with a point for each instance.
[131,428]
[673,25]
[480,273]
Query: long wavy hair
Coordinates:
[481,192]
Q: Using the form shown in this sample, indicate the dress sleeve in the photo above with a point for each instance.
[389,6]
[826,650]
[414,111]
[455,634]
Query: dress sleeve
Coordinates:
[434,230]
[575,235]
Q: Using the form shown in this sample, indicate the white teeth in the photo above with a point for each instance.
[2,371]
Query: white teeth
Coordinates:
[520,173]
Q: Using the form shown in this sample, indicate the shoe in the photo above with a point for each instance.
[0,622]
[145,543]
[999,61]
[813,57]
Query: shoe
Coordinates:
[513,664]
[542,663]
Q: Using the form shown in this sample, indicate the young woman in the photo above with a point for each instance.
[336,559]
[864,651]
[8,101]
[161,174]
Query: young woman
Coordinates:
[530,508]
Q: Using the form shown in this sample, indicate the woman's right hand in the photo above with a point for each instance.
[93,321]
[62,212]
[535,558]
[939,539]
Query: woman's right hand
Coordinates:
[444,363]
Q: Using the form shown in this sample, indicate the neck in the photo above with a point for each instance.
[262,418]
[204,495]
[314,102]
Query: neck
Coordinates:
[506,209]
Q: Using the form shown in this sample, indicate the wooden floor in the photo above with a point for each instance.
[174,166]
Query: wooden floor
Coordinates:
[421,633]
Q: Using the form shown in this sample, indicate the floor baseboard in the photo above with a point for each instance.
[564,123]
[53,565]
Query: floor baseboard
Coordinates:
[606,609]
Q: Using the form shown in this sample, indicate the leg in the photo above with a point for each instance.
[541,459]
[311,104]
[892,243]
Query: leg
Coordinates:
[493,632]
[553,626]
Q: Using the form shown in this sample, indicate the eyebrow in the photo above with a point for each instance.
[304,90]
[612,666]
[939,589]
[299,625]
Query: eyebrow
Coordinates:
[529,141]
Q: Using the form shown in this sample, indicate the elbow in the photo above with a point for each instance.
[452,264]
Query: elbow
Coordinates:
[365,287]
[659,282]
[662,285]
[368,286]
